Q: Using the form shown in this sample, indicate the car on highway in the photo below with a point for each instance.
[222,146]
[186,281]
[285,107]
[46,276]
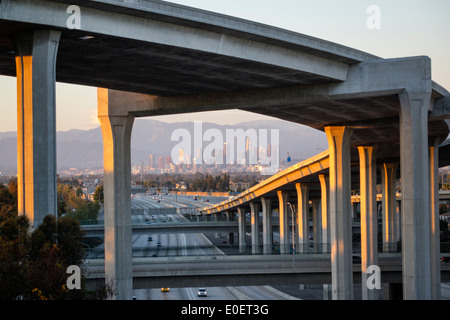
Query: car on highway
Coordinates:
[202,292]
[150,239]
[164,289]
[158,244]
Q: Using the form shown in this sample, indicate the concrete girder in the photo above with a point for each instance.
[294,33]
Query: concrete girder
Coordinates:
[300,170]
[152,30]
[393,76]
[441,109]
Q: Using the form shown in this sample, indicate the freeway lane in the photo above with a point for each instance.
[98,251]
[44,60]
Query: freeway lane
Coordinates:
[214,293]
[166,245]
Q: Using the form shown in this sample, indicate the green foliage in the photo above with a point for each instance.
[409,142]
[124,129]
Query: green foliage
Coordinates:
[72,204]
[98,194]
[34,264]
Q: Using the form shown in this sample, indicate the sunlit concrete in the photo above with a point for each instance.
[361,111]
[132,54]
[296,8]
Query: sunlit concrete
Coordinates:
[241,224]
[324,197]
[266,205]
[435,250]
[116,132]
[390,217]
[340,203]
[414,166]
[369,218]
[283,209]
[302,223]
[254,211]
[317,224]
[36,124]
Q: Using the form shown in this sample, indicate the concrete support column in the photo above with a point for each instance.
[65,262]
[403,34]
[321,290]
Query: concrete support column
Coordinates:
[116,131]
[390,216]
[435,248]
[340,211]
[325,208]
[414,166]
[301,241]
[284,220]
[317,224]
[254,209]
[36,124]
[241,228]
[267,225]
[369,217]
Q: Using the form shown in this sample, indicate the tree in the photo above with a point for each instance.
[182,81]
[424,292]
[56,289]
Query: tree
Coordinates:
[98,194]
[34,264]
[14,249]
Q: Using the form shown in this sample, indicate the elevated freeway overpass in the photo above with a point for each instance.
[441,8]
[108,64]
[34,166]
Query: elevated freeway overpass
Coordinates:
[151,58]
[243,270]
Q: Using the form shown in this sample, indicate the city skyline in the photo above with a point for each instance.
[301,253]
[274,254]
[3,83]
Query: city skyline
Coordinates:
[400,34]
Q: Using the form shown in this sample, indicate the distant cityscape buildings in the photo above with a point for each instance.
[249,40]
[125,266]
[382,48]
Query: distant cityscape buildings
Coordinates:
[188,164]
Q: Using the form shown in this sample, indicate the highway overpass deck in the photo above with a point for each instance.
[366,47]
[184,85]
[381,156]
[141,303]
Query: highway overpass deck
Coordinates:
[243,270]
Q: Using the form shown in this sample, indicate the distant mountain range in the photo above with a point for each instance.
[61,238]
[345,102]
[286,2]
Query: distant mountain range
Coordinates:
[83,149]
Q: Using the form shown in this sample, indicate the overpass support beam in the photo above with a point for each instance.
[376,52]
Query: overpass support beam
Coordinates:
[241,228]
[301,240]
[435,248]
[267,225]
[325,195]
[116,131]
[317,224]
[390,215]
[340,212]
[416,218]
[369,218]
[254,210]
[283,198]
[36,124]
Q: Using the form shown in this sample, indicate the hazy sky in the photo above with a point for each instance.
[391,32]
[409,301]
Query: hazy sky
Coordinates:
[406,28]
